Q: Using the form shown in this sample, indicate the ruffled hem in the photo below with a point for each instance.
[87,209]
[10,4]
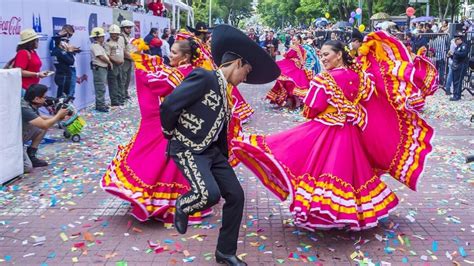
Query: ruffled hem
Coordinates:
[160,209]
[279,93]
[148,201]
[323,202]
[243,111]
[329,202]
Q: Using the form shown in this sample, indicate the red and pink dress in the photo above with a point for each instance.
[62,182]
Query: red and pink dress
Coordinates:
[361,126]
[140,172]
[294,78]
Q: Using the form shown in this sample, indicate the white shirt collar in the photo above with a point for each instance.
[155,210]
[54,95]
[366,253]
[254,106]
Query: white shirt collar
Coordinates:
[219,71]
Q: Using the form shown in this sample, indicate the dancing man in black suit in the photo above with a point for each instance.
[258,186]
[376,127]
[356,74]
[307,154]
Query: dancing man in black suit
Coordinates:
[195,117]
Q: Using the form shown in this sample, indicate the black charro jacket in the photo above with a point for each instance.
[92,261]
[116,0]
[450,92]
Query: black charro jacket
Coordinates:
[196,113]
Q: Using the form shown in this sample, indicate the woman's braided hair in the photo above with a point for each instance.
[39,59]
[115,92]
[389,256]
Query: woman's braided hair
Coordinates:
[189,47]
[195,53]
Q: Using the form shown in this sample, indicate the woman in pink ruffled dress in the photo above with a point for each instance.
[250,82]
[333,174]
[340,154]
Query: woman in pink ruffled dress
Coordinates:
[140,172]
[292,85]
[361,126]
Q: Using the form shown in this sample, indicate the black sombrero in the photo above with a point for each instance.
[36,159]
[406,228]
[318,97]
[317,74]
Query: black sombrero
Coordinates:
[227,39]
[201,27]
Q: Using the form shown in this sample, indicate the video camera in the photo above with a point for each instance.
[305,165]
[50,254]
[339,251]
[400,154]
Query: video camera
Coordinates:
[55,104]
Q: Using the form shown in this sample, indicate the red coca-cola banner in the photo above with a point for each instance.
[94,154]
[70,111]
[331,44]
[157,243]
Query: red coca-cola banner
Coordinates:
[11,26]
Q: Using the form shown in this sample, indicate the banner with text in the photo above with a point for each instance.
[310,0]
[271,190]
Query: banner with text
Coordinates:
[47,17]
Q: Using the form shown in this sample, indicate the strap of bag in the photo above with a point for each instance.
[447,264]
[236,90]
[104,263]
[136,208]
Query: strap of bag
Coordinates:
[11,63]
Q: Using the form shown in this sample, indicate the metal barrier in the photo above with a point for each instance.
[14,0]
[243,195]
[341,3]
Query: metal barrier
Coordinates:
[468,82]
[438,47]
[437,50]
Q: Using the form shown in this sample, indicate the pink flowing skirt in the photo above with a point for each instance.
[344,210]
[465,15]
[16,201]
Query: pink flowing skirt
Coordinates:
[293,82]
[324,171]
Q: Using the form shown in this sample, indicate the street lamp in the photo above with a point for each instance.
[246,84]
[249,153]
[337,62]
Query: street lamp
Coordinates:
[210,13]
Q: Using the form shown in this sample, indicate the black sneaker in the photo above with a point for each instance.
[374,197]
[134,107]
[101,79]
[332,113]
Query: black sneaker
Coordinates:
[38,162]
[31,152]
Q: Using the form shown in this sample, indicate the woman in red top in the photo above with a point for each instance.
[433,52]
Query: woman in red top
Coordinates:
[28,60]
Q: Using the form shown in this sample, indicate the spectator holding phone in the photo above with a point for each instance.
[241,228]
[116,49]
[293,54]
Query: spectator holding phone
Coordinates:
[63,59]
[28,60]
[67,31]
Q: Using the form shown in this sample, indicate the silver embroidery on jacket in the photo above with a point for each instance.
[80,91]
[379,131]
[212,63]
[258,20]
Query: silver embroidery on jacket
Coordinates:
[211,100]
[200,197]
[224,115]
[190,121]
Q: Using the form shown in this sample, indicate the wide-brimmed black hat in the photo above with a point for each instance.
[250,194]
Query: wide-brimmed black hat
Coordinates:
[356,35]
[229,40]
[201,27]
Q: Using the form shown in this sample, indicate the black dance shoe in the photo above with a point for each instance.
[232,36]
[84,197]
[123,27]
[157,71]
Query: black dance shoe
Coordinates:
[180,218]
[229,259]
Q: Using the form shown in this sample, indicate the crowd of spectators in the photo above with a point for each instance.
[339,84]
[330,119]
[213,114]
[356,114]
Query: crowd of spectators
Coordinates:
[450,53]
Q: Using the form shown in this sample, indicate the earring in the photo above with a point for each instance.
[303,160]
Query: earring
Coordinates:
[181,62]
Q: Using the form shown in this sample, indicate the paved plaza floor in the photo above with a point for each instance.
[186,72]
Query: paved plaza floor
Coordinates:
[60,216]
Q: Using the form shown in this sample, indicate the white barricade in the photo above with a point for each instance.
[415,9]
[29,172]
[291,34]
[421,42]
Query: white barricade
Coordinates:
[11,144]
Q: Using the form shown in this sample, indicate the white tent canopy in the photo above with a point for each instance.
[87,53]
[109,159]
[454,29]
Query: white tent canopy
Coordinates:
[176,7]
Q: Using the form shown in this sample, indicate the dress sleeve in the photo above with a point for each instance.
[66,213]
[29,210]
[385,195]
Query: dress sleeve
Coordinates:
[161,82]
[316,100]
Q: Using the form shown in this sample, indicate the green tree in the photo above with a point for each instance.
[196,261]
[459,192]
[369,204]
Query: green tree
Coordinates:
[233,11]
[277,13]
[280,13]
[200,8]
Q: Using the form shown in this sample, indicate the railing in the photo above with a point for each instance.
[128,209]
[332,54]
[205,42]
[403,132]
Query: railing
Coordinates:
[323,36]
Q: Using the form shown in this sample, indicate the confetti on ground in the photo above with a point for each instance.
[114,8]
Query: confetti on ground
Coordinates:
[431,226]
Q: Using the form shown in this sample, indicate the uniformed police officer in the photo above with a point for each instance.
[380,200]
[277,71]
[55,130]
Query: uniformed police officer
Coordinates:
[459,65]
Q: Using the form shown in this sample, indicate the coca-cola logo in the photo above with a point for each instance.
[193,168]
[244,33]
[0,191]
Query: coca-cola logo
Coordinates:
[10,27]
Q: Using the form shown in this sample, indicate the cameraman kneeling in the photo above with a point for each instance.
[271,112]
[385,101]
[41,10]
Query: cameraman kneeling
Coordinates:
[36,125]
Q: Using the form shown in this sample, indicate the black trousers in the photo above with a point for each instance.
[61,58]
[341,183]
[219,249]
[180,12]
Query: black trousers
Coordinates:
[210,177]
[64,83]
[458,77]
